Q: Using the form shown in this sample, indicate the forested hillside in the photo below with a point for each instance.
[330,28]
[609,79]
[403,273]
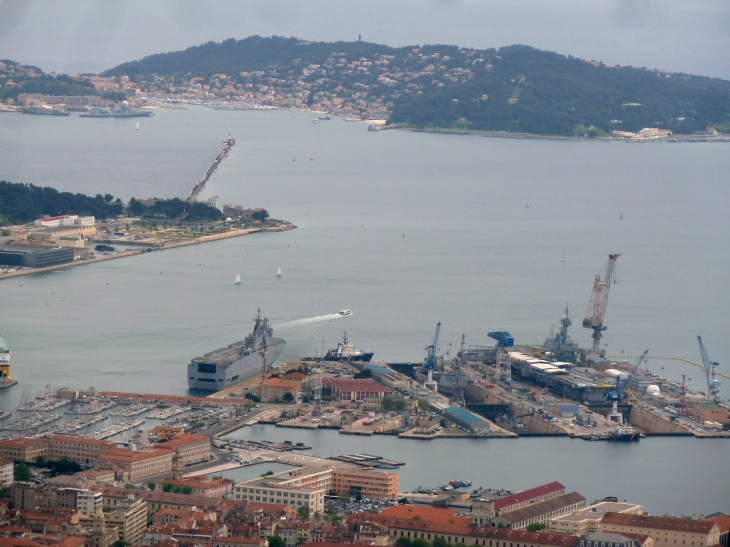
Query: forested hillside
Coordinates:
[516,88]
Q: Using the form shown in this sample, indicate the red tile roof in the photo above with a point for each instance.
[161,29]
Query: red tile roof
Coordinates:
[659,523]
[347,385]
[723,521]
[426,513]
[525,495]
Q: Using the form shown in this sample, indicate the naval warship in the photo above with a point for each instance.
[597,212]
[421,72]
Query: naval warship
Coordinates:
[44,110]
[119,110]
[347,352]
[240,361]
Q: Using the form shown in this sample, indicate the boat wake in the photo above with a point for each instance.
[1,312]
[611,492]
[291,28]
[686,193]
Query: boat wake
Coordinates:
[307,320]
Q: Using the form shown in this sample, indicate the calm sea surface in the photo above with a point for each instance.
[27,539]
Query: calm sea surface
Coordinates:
[405,229]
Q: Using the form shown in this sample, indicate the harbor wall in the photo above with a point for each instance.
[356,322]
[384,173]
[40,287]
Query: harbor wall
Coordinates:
[539,426]
[651,424]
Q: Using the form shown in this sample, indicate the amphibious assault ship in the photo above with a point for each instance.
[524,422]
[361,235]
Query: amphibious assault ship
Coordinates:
[119,110]
[240,361]
[44,110]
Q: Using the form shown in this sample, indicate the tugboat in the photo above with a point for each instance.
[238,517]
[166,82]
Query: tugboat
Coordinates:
[347,352]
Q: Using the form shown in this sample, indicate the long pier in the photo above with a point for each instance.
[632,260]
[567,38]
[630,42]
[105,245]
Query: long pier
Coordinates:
[213,166]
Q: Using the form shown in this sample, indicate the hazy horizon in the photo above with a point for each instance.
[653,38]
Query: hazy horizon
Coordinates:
[87,36]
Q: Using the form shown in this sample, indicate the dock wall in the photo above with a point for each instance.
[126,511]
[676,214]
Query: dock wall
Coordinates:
[651,424]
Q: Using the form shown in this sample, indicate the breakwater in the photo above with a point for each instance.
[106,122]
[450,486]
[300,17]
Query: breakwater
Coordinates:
[213,166]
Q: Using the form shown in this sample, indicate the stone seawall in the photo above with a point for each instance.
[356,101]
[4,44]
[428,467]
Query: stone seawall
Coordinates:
[651,424]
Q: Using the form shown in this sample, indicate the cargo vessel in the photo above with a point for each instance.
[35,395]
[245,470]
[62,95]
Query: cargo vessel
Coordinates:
[119,110]
[240,361]
[347,352]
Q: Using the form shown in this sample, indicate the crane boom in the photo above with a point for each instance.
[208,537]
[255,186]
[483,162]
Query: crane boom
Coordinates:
[709,366]
[599,300]
[431,355]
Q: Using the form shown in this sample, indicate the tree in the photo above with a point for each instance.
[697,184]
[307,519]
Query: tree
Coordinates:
[387,404]
[167,486]
[22,472]
[5,233]
[288,397]
[3,494]
[536,527]
[276,541]
[108,198]
[187,489]
[120,543]
[151,485]
[255,398]
[216,477]
[420,543]
[303,512]
[439,542]
[261,214]
[266,474]
[400,405]
[443,422]
[422,405]
[403,542]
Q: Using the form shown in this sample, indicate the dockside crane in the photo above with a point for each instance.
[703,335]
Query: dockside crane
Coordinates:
[619,394]
[430,362]
[599,300]
[713,384]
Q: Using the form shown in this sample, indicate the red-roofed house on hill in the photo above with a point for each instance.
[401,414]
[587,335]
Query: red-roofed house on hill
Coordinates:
[485,510]
[355,389]
[664,530]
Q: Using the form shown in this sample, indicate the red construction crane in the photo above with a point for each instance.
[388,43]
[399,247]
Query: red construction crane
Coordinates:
[599,299]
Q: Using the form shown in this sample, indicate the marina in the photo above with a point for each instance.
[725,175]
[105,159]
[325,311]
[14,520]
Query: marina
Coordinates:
[94,407]
[166,413]
[114,429]
[132,410]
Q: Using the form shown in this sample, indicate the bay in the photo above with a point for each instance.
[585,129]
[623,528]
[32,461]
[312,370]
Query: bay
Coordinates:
[636,472]
[406,229]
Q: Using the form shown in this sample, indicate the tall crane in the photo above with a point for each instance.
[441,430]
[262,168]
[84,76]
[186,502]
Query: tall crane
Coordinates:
[713,383]
[599,300]
[430,362]
[618,395]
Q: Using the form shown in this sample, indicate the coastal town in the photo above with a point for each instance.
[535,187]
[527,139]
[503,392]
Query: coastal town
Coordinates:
[166,485]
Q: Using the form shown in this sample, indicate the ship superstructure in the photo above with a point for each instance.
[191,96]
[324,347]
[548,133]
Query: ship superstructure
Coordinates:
[561,345]
[240,361]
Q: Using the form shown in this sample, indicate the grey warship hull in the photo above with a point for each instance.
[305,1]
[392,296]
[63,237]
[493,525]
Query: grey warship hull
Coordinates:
[237,362]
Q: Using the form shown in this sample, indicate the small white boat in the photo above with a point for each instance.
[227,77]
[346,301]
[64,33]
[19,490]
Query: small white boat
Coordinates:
[278,274]
[528,203]
[237,281]
[563,259]
[137,127]
[345,312]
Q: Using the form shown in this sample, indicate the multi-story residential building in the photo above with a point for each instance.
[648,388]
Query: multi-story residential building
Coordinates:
[137,465]
[7,468]
[89,502]
[588,520]
[28,495]
[485,510]
[130,518]
[666,531]
[302,486]
[156,500]
[74,449]
[24,449]
[540,513]
[202,486]
[274,390]
[363,483]
[190,448]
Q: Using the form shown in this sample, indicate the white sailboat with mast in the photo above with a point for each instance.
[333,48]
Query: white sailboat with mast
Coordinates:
[237,281]
[278,273]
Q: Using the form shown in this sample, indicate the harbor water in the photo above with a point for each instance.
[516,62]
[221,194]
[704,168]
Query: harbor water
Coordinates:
[405,229]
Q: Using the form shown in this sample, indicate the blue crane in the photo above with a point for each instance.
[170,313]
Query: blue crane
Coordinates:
[619,394]
[430,362]
[712,382]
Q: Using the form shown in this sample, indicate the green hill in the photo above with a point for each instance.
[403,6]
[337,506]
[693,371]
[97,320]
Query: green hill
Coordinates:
[516,88]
